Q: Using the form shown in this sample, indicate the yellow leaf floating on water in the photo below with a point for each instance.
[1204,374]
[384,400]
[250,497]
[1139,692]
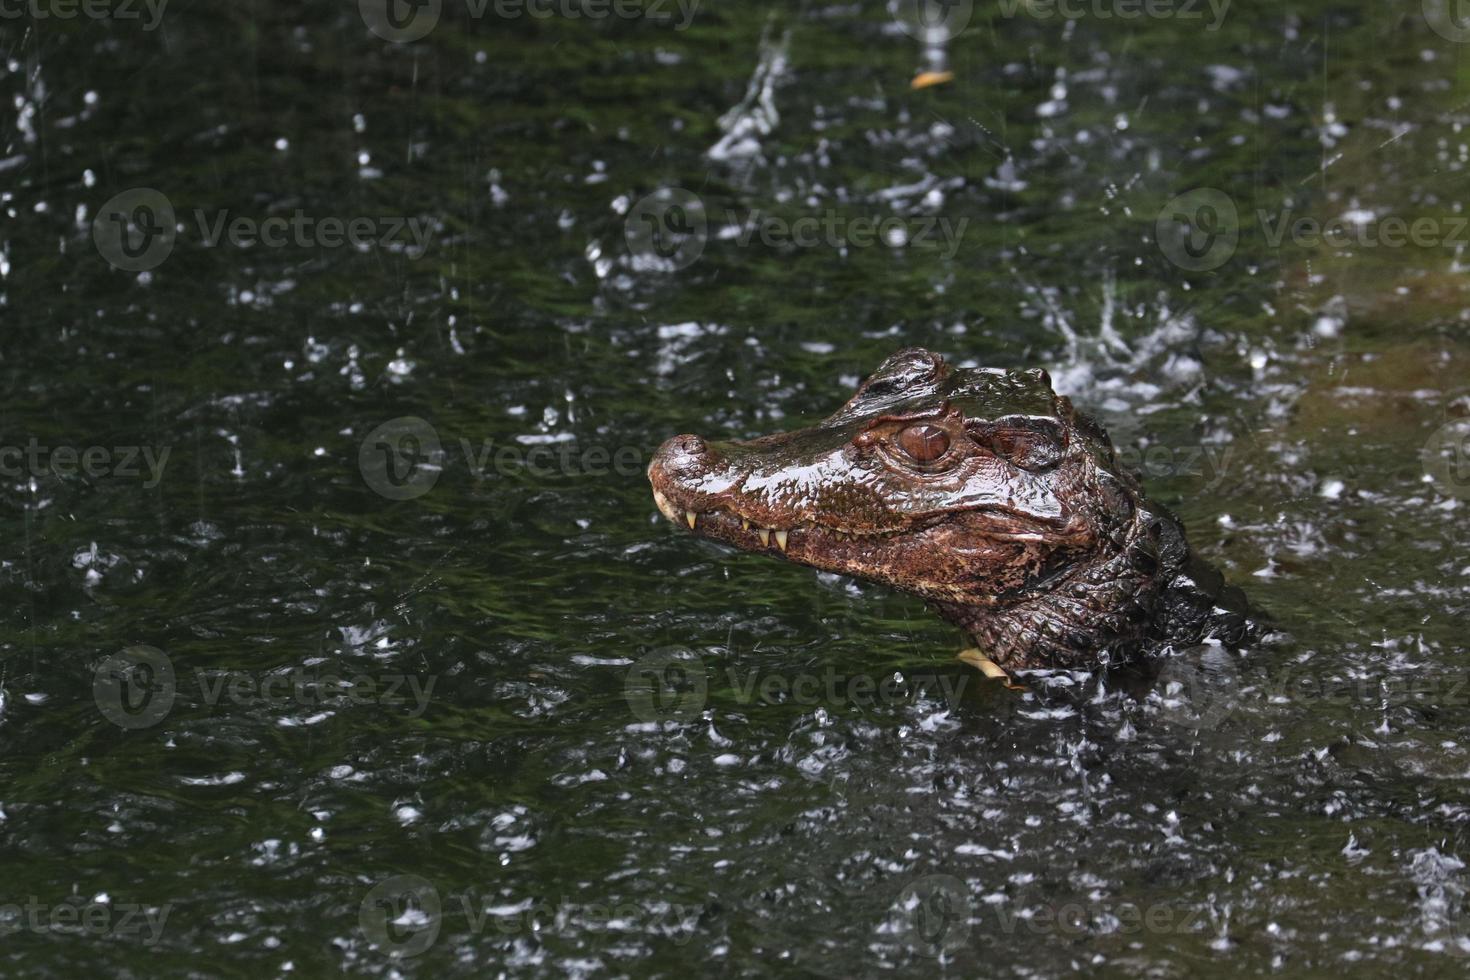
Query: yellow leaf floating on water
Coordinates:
[928,79]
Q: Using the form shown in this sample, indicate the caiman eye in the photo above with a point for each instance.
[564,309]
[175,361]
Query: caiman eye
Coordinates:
[924,443]
[1029,448]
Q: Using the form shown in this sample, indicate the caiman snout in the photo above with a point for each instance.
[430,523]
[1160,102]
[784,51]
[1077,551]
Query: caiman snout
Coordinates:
[680,459]
[679,462]
[684,445]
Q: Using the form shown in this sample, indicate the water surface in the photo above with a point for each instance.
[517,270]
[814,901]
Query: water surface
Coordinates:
[387,721]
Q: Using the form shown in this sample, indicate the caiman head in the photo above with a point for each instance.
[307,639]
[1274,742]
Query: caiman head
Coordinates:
[981,490]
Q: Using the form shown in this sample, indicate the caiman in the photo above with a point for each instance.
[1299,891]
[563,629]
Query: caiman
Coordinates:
[984,492]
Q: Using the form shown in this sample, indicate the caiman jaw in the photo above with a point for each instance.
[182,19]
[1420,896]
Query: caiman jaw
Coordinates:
[813,540]
[722,523]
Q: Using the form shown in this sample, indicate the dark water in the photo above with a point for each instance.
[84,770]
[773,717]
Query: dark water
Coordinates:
[277,703]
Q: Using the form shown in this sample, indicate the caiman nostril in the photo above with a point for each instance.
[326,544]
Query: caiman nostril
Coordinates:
[681,458]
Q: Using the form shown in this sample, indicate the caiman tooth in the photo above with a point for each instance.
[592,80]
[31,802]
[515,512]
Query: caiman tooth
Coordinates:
[744,524]
[665,507]
[689,516]
[765,534]
[781,540]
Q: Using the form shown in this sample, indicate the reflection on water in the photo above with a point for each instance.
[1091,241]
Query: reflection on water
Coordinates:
[387,662]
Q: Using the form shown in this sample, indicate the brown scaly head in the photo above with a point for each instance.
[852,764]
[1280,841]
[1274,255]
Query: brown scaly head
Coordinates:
[981,490]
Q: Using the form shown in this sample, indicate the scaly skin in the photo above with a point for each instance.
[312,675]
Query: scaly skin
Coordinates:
[982,491]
